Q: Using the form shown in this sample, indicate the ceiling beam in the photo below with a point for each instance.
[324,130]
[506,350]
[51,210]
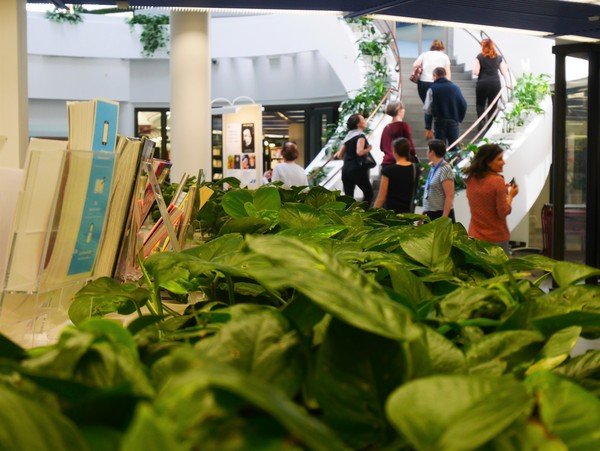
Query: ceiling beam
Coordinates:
[59,4]
[376,9]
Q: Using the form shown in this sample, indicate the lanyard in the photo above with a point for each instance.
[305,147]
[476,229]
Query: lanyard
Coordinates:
[431,175]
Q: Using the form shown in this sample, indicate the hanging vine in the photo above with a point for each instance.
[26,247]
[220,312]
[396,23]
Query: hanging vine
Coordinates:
[71,15]
[155,33]
[371,48]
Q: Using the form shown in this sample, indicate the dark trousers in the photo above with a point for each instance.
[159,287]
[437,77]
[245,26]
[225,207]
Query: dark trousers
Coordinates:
[446,130]
[423,87]
[357,177]
[485,92]
[433,215]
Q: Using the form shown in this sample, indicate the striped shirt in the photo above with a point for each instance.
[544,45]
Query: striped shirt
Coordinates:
[433,197]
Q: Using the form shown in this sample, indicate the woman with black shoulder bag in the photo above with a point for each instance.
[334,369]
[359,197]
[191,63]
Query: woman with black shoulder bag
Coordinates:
[356,152]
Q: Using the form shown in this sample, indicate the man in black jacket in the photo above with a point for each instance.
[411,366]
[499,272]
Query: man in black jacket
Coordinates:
[446,103]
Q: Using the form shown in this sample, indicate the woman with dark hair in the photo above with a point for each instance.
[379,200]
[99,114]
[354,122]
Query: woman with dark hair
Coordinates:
[438,195]
[288,172]
[393,131]
[355,145]
[398,181]
[490,199]
[428,61]
[486,67]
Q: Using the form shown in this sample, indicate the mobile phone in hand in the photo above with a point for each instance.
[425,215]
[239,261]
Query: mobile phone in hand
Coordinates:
[512,182]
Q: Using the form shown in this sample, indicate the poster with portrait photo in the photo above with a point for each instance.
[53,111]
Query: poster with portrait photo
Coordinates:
[236,161]
[248,138]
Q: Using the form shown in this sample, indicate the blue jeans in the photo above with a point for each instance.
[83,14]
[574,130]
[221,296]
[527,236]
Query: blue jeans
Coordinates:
[446,130]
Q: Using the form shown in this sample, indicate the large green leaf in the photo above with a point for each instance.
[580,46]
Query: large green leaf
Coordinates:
[471,302]
[262,344]
[433,353]
[484,256]
[567,273]
[445,413]
[526,435]
[245,225]
[355,373]
[234,200]
[431,244]
[567,411]
[338,288]
[501,351]
[99,354]
[408,285]
[582,366]
[183,272]
[318,232]
[319,196]
[218,247]
[556,350]
[292,216]
[151,432]
[184,399]
[105,295]
[28,424]
[564,307]
[267,198]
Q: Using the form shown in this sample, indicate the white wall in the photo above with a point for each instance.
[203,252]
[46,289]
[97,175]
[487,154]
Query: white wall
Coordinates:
[524,53]
[272,59]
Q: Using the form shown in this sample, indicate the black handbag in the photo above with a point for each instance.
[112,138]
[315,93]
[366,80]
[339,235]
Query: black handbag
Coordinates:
[366,161]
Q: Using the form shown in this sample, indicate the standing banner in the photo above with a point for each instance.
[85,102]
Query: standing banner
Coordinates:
[242,145]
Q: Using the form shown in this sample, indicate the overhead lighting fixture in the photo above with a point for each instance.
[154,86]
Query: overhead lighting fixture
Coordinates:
[442,23]
[570,37]
[247,11]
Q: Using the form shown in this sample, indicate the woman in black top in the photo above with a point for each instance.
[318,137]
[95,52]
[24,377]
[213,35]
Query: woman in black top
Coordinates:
[399,181]
[355,145]
[486,67]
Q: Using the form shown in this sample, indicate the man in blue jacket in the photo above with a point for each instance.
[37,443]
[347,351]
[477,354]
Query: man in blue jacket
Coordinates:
[447,105]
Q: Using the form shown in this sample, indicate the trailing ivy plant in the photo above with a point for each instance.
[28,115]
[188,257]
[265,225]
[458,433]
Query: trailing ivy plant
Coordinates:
[70,15]
[371,48]
[155,33]
[312,323]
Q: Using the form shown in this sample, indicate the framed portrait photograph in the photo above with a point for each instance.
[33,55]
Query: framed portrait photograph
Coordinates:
[248,138]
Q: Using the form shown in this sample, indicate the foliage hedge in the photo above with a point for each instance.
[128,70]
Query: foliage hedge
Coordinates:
[314,324]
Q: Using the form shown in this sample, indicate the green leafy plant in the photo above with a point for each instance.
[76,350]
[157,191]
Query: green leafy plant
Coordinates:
[155,34]
[330,328]
[529,91]
[62,15]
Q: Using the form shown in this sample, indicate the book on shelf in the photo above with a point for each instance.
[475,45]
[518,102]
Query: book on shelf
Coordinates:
[78,226]
[38,195]
[126,266]
[128,152]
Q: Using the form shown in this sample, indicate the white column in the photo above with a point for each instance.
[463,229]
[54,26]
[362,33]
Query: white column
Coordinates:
[13,83]
[190,94]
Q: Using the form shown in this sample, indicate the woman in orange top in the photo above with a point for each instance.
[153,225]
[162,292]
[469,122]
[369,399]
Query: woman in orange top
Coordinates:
[490,199]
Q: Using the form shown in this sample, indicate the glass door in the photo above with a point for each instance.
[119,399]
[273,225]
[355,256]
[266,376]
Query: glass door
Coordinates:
[576,155]
[576,146]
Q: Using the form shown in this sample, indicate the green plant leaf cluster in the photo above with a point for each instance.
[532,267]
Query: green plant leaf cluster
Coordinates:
[528,93]
[329,327]
[71,16]
[155,34]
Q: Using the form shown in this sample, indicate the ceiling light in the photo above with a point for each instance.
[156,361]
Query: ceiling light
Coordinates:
[442,23]
[570,37]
